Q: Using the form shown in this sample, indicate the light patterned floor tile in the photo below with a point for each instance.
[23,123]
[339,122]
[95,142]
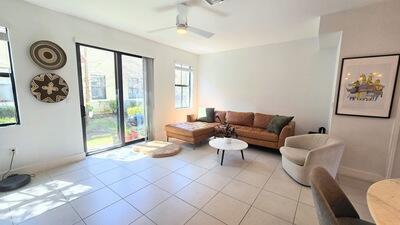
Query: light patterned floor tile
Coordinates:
[120,213]
[285,187]
[50,193]
[214,180]
[147,198]
[276,205]
[196,194]
[101,167]
[253,178]
[155,173]
[306,196]
[142,221]
[128,185]
[172,164]
[191,171]
[226,209]
[202,218]
[173,182]
[258,217]
[93,202]
[306,215]
[114,175]
[241,191]
[140,165]
[80,188]
[37,206]
[66,212]
[77,175]
[173,211]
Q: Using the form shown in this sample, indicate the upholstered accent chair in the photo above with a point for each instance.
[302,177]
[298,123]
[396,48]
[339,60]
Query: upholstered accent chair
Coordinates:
[332,205]
[302,153]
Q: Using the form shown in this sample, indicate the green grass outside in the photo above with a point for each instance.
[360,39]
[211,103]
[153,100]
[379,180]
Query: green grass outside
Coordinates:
[7,120]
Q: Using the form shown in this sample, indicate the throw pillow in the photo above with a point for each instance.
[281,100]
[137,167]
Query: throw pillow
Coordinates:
[278,122]
[209,118]
[210,115]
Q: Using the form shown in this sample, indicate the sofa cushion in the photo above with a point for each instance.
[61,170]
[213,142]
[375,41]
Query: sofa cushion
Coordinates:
[240,118]
[221,115]
[208,115]
[191,129]
[296,155]
[261,120]
[278,122]
[255,133]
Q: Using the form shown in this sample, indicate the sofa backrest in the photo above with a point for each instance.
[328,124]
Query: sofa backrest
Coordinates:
[261,120]
[221,115]
[240,118]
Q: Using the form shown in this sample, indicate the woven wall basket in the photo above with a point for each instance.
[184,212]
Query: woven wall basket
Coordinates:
[49,87]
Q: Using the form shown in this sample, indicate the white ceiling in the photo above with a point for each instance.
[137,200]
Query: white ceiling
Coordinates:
[247,22]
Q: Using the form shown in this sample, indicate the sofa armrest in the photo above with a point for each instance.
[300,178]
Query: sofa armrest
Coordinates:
[287,131]
[191,118]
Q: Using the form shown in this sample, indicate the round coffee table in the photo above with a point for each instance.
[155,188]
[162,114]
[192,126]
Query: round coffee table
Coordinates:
[228,144]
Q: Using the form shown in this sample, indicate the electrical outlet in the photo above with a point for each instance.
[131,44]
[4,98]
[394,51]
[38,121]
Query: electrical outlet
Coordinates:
[13,150]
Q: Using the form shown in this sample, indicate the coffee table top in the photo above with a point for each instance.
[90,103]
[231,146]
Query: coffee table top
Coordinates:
[234,145]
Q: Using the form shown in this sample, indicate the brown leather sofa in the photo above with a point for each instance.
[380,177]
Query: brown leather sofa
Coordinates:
[250,127]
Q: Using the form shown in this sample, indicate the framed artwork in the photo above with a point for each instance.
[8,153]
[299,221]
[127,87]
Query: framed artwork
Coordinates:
[367,85]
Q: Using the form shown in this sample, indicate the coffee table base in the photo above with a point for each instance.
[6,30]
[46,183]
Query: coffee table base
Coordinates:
[223,153]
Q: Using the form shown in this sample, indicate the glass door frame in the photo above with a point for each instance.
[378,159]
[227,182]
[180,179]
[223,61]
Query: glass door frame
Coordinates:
[120,97]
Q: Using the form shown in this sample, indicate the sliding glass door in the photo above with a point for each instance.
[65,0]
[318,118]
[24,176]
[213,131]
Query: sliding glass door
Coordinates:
[112,98]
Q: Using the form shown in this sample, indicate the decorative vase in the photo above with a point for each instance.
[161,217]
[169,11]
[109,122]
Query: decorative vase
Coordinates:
[227,140]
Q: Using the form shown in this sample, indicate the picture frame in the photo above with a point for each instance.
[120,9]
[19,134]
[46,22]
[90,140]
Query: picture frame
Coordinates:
[367,85]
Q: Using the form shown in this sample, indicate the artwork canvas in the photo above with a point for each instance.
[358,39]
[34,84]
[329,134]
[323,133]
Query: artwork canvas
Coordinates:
[367,85]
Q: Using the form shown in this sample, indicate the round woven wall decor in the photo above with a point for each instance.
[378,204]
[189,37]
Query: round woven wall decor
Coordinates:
[49,87]
[48,55]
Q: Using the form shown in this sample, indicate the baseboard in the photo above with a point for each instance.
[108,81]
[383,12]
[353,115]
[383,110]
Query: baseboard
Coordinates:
[42,166]
[359,174]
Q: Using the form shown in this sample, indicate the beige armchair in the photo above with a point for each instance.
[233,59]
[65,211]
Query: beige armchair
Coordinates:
[302,153]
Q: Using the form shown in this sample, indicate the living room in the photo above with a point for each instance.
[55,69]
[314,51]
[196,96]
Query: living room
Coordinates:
[128,71]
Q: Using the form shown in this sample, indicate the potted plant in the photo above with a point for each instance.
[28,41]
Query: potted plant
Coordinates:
[225,130]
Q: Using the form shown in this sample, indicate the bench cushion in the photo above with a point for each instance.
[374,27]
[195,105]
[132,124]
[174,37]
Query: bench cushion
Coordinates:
[191,129]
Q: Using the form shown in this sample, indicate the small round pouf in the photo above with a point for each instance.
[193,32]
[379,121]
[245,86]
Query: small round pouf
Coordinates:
[158,149]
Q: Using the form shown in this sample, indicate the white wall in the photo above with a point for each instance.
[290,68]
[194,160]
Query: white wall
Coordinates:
[292,78]
[50,132]
[372,30]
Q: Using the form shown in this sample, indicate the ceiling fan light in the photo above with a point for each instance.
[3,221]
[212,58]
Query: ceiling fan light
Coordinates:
[181,30]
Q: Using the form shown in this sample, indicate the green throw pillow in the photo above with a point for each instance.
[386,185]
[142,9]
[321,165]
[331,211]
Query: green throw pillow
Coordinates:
[278,122]
[209,118]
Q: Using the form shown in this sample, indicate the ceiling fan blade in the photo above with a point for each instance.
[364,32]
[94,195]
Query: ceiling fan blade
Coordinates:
[161,29]
[200,32]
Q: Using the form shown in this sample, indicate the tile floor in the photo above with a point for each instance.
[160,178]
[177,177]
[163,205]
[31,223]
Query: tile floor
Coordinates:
[121,187]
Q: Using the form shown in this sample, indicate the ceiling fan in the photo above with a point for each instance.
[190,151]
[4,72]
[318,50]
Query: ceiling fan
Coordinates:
[202,4]
[182,26]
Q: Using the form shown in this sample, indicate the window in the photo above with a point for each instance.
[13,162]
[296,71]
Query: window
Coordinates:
[134,88]
[98,86]
[8,100]
[183,86]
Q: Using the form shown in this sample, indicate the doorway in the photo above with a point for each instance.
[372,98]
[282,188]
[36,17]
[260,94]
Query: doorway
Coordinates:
[112,94]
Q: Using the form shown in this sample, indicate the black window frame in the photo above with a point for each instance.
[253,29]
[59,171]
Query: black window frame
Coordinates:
[12,79]
[188,68]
